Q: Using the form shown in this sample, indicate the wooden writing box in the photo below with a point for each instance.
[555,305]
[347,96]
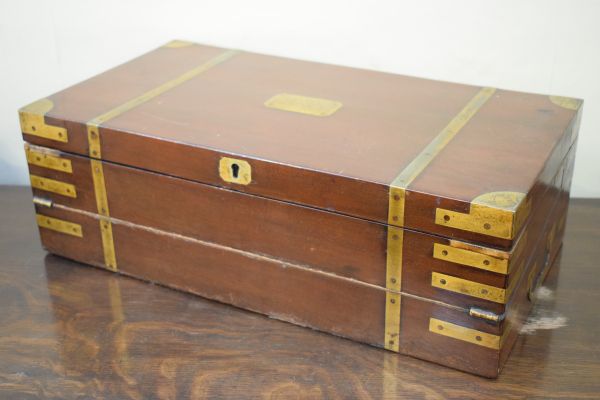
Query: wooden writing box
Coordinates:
[413,215]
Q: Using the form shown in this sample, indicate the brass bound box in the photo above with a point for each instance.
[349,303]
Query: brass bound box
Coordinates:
[413,215]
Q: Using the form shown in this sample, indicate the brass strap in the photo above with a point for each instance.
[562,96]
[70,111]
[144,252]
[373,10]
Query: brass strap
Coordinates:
[470,258]
[59,225]
[95,147]
[465,334]
[468,288]
[397,197]
[46,158]
[54,186]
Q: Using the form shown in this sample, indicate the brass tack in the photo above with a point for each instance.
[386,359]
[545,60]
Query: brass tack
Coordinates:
[396,197]
[443,281]
[440,327]
[444,252]
[393,301]
[487,226]
[484,291]
[486,262]
[446,218]
[395,237]
[393,280]
[395,218]
[33,128]
[391,342]
[478,338]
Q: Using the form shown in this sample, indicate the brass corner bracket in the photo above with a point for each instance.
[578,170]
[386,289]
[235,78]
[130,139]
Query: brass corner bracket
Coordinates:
[498,214]
[33,121]
[566,102]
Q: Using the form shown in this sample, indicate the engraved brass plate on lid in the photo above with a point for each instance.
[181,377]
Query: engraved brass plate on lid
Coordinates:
[303,105]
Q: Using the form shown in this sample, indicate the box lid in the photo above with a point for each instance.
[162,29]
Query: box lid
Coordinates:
[460,161]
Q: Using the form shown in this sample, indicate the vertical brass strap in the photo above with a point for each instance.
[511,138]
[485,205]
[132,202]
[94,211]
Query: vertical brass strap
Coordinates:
[95,148]
[393,278]
[396,205]
[108,245]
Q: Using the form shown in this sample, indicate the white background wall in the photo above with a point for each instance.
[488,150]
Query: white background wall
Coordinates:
[545,46]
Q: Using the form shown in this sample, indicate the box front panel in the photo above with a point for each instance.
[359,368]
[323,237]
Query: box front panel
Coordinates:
[311,238]
[304,297]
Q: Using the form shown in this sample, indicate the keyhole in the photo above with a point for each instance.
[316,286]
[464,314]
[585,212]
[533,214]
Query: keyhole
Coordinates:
[235,169]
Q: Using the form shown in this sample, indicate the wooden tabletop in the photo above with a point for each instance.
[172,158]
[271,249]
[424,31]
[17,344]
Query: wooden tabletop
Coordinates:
[71,331]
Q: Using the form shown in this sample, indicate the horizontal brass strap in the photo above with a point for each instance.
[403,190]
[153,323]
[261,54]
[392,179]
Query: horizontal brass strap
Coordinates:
[469,335]
[48,160]
[59,225]
[54,186]
[469,288]
[470,258]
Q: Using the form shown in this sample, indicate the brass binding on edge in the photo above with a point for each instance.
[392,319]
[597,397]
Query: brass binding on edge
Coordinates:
[397,199]
[51,185]
[468,288]
[474,336]
[46,158]
[95,148]
[33,121]
[59,225]
[470,258]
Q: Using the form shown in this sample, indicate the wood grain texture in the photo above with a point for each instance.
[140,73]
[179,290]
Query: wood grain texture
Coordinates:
[71,332]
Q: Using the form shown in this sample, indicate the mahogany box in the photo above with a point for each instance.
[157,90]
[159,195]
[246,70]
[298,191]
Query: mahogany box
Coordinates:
[413,215]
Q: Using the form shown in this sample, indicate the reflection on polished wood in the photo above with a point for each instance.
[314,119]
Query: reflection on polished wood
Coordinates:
[72,331]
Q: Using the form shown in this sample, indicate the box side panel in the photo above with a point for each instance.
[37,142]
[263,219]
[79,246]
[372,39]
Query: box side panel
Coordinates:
[547,257]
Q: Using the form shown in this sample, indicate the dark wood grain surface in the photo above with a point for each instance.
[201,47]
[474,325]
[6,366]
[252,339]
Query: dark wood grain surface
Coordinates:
[72,331]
